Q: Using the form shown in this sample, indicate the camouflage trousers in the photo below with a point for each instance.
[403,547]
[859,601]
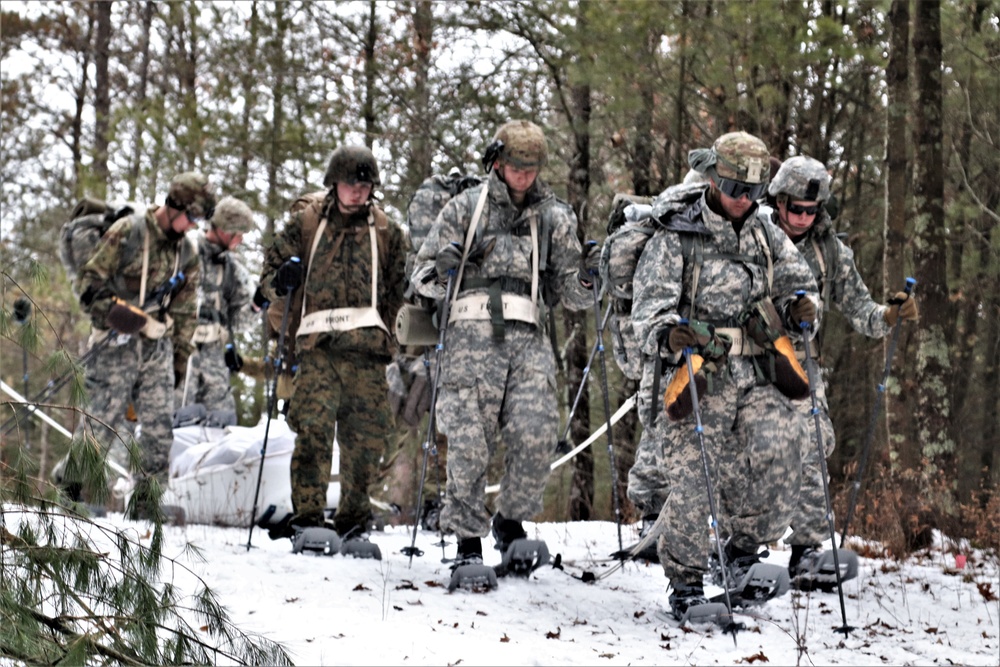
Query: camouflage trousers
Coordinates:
[647,478]
[752,437]
[348,392]
[139,371]
[809,522]
[491,392]
[207,380]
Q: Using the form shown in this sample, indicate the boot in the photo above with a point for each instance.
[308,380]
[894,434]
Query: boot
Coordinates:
[813,569]
[686,594]
[468,570]
[506,531]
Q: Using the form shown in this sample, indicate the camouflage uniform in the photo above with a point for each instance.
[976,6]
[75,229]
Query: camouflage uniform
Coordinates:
[751,431]
[647,482]
[225,294]
[496,388]
[340,382]
[137,368]
[842,288]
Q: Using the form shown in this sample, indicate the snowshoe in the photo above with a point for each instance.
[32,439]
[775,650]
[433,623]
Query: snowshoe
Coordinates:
[468,570]
[760,583]
[318,541]
[816,570]
[688,605]
[360,547]
[648,553]
[523,557]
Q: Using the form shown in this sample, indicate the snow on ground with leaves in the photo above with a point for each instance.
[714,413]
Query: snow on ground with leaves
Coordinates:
[344,611]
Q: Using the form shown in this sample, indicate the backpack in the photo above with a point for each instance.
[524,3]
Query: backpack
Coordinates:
[631,224]
[427,202]
[81,235]
[310,206]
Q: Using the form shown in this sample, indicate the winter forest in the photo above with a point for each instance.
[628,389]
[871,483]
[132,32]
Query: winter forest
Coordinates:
[899,98]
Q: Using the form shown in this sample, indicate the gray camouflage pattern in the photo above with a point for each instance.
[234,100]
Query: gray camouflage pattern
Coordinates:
[752,433]
[850,296]
[500,389]
[794,177]
[225,293]
[648,486]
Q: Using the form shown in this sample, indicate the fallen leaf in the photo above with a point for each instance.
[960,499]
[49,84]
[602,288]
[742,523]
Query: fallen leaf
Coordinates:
[553,635]
[639,614]
[406,585]
[758,657]
[480,613]
[433,584]
[504,639]
[360,587]
[291,600]
[986,590]
[397,608]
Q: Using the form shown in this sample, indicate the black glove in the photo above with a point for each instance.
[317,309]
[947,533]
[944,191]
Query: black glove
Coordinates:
[803,310]
[448,259]
[288,278]
[234,361]
[590,262]
[125,318]
[260,302]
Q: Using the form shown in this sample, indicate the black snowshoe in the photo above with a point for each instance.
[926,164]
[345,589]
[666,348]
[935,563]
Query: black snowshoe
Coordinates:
[816,570]
[468,571]
[520,556]
[317,541]
[750,582]
[360,547]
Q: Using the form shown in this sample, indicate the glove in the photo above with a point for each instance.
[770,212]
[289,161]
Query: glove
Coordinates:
[260,302]
[681,336]
[234,362]
[902,305]
[590,262]
[448,259]
[125,318]
[802,310]
[288,278]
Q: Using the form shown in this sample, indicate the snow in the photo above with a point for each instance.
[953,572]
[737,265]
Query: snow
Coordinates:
[343,611]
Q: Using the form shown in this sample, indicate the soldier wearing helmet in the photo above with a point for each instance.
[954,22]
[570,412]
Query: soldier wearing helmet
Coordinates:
[224,310]
[508,249]
[339,262]
[139,290]
[800,189]
[713,280]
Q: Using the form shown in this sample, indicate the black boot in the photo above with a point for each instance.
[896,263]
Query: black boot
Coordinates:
[470,550]
[686,594]
[506,531]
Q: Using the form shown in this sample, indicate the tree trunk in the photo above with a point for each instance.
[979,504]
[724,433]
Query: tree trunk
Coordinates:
[102,97]
[148,8]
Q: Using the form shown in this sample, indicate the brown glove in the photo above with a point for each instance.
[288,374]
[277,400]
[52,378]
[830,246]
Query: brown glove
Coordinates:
[125,318]
[802,310]
[902,305]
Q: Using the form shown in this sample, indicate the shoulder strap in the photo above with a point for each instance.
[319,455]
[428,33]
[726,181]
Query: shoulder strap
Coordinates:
[763,235]
[469,235]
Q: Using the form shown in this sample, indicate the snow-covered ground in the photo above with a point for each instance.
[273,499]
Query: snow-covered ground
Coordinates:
[342,611]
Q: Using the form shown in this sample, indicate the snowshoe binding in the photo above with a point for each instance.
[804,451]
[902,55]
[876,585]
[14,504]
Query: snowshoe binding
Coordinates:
[468,571]
[317,541]
[816,570]
[750,582]
[521,556]
[648,552]
[360,547]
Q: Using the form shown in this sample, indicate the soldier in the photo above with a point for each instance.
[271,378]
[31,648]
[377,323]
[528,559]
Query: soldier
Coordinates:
[224,298]
[343,263]
[139,290]
[800,191]
[721,281]
[498,379]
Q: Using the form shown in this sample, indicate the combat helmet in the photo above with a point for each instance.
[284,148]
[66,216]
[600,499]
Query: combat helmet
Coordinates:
[232,216]
[521,144]
[352,164]
[742,157]
[192,193]
[801,178]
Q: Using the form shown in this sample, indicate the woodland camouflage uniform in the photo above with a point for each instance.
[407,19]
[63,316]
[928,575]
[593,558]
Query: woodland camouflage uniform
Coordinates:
[751,430]
[138,368]
[498,380]
[341,381]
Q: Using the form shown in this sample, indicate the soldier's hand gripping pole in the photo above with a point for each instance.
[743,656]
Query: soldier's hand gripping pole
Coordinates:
[870,435]
[806,327]
[272,400]
[430,441]
[599,344]
[732,626]
[562,446]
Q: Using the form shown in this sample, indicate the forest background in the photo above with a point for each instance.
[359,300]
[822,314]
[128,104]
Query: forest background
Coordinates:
[900,98]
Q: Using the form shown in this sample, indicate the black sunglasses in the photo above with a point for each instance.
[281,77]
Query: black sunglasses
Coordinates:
[800,210]
[736,189]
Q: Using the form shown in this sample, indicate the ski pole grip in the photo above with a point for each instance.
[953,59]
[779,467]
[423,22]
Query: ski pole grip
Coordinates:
[910,282]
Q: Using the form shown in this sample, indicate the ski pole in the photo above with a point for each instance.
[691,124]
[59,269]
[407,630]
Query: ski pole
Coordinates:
[845,629]
[562,446]
[599,344]
[271,403]
[430,441]
[870,435]
[733,627]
